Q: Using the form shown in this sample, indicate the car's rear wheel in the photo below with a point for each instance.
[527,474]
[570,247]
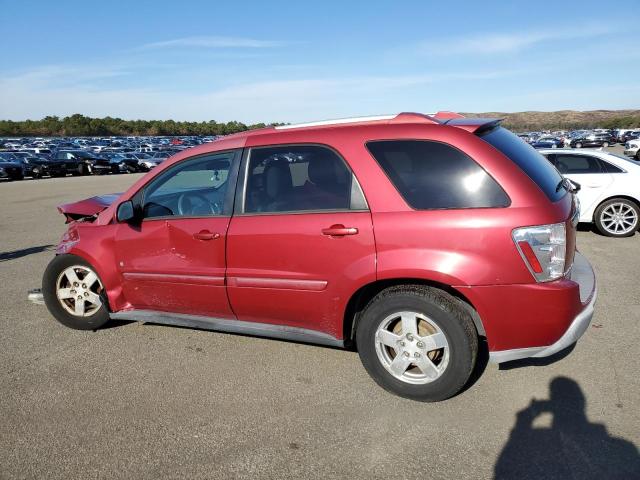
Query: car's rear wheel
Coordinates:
[74,293]
[617,217]
[417,342]
[578,145]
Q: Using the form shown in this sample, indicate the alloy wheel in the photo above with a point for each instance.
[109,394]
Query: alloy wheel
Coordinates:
[619,218]
[412,347]
[78,290]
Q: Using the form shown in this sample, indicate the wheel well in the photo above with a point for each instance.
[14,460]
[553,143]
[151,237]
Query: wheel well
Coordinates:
[365,294]
[613,197]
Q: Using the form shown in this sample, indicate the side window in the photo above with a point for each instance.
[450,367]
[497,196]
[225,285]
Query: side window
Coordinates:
[193,188]
[299,178]
[609,167]
[577,164]
[434,175]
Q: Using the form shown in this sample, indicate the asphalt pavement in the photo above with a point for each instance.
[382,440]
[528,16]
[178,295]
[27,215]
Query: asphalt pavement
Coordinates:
[148,401]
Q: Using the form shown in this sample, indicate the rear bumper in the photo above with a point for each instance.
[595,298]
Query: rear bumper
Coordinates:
[582,274]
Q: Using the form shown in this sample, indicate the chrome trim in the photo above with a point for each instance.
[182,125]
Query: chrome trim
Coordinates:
[282,332]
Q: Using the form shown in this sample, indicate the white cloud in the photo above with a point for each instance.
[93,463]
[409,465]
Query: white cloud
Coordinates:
[212,42]
[496,43]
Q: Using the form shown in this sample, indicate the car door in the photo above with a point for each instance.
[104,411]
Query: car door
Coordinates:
[300,241]
[173,260]
[588,172]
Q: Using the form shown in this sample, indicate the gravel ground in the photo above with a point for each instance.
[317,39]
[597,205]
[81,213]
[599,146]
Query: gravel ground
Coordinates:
[147,401]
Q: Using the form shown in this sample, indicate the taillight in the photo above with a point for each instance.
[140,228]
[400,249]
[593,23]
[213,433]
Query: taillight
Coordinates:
[543,249]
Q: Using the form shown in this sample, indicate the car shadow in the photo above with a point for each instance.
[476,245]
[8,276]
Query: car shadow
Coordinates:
[14,254]
[570,447]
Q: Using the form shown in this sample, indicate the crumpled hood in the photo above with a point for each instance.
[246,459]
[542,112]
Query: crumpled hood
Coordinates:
[89,207]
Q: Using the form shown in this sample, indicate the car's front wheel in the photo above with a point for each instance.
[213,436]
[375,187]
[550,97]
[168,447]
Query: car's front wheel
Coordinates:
[417,342]
[617,217]
[578,145]
[74,293]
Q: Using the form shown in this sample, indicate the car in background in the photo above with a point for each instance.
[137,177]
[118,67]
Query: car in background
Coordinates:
[592,140]
[630,135]
[121,162]
[34,166]
[609,188]
[632,149]
[77,162]
[548,142]
[10,167]
[146,164]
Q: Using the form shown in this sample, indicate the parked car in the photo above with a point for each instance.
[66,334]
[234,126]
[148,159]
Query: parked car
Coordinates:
[10,169]
[271,233]
[632,149]
[609,188]
[77,162]
[630,135]
[121,163]
[33,165]
[548,142]
[592,140]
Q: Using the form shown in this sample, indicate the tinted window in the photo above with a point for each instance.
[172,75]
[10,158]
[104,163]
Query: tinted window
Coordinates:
[577,164]
[609,168]
[528,159]
[299,178]
[436,175]
[194,187]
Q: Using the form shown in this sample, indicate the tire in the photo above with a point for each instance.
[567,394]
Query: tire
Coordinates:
[605,214]
[36,173]
[638,155]
[433,310]
[53,277]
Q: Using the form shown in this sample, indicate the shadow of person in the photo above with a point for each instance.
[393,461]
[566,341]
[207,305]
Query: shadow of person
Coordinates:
[570,448]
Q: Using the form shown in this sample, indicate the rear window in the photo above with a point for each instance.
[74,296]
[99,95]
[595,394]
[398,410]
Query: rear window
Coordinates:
[529,160]
[434,175]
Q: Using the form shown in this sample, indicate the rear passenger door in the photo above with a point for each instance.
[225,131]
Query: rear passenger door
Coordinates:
[588,172]
[300,241]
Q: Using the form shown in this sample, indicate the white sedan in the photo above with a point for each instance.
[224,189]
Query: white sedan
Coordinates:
[609,191]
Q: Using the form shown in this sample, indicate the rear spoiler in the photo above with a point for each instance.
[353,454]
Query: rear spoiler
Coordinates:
[477,126]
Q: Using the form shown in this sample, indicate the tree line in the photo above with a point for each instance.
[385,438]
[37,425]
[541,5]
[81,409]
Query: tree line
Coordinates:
[78,125]
[81,126]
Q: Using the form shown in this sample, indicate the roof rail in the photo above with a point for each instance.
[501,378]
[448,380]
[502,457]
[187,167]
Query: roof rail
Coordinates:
[404,117]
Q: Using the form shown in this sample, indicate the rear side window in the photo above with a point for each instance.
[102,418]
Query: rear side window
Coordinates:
[529,160]
[434,175]
[577,164]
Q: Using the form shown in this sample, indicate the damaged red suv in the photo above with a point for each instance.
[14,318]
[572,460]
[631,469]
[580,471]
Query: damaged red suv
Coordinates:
[408,237]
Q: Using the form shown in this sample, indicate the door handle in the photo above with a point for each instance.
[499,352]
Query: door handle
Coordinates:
[339,231]
[206,235]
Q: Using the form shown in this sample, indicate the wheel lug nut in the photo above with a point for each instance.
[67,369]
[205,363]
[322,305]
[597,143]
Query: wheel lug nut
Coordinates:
[409,337]
[86,294]
[73,292]
[406,354]
[420,345]
[402,344]
[79,297]
[76,284]
[84,285]
[417,354]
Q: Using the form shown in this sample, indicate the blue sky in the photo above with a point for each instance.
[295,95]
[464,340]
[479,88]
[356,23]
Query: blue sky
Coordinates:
[292,61]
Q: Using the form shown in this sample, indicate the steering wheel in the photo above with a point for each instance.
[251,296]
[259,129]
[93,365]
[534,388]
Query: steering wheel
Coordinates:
[186,204]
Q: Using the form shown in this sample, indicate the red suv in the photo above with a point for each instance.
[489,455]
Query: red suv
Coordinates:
[408,237]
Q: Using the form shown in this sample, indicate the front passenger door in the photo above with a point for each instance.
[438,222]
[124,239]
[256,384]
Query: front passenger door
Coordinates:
[174,259]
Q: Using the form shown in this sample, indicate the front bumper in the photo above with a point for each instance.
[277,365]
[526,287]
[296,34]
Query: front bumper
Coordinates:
[631,152]
[582,274]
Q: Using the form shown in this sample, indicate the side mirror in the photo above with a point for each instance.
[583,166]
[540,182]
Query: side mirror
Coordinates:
[576,186]
[126,212]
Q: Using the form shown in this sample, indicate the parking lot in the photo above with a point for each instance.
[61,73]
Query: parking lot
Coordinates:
[142,400]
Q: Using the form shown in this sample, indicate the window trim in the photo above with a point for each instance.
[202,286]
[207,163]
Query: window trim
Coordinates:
[444,143]
[243,177]
[139,197]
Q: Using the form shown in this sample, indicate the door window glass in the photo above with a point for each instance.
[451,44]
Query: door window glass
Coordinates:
[299,178]
[194,187]
[577,164]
